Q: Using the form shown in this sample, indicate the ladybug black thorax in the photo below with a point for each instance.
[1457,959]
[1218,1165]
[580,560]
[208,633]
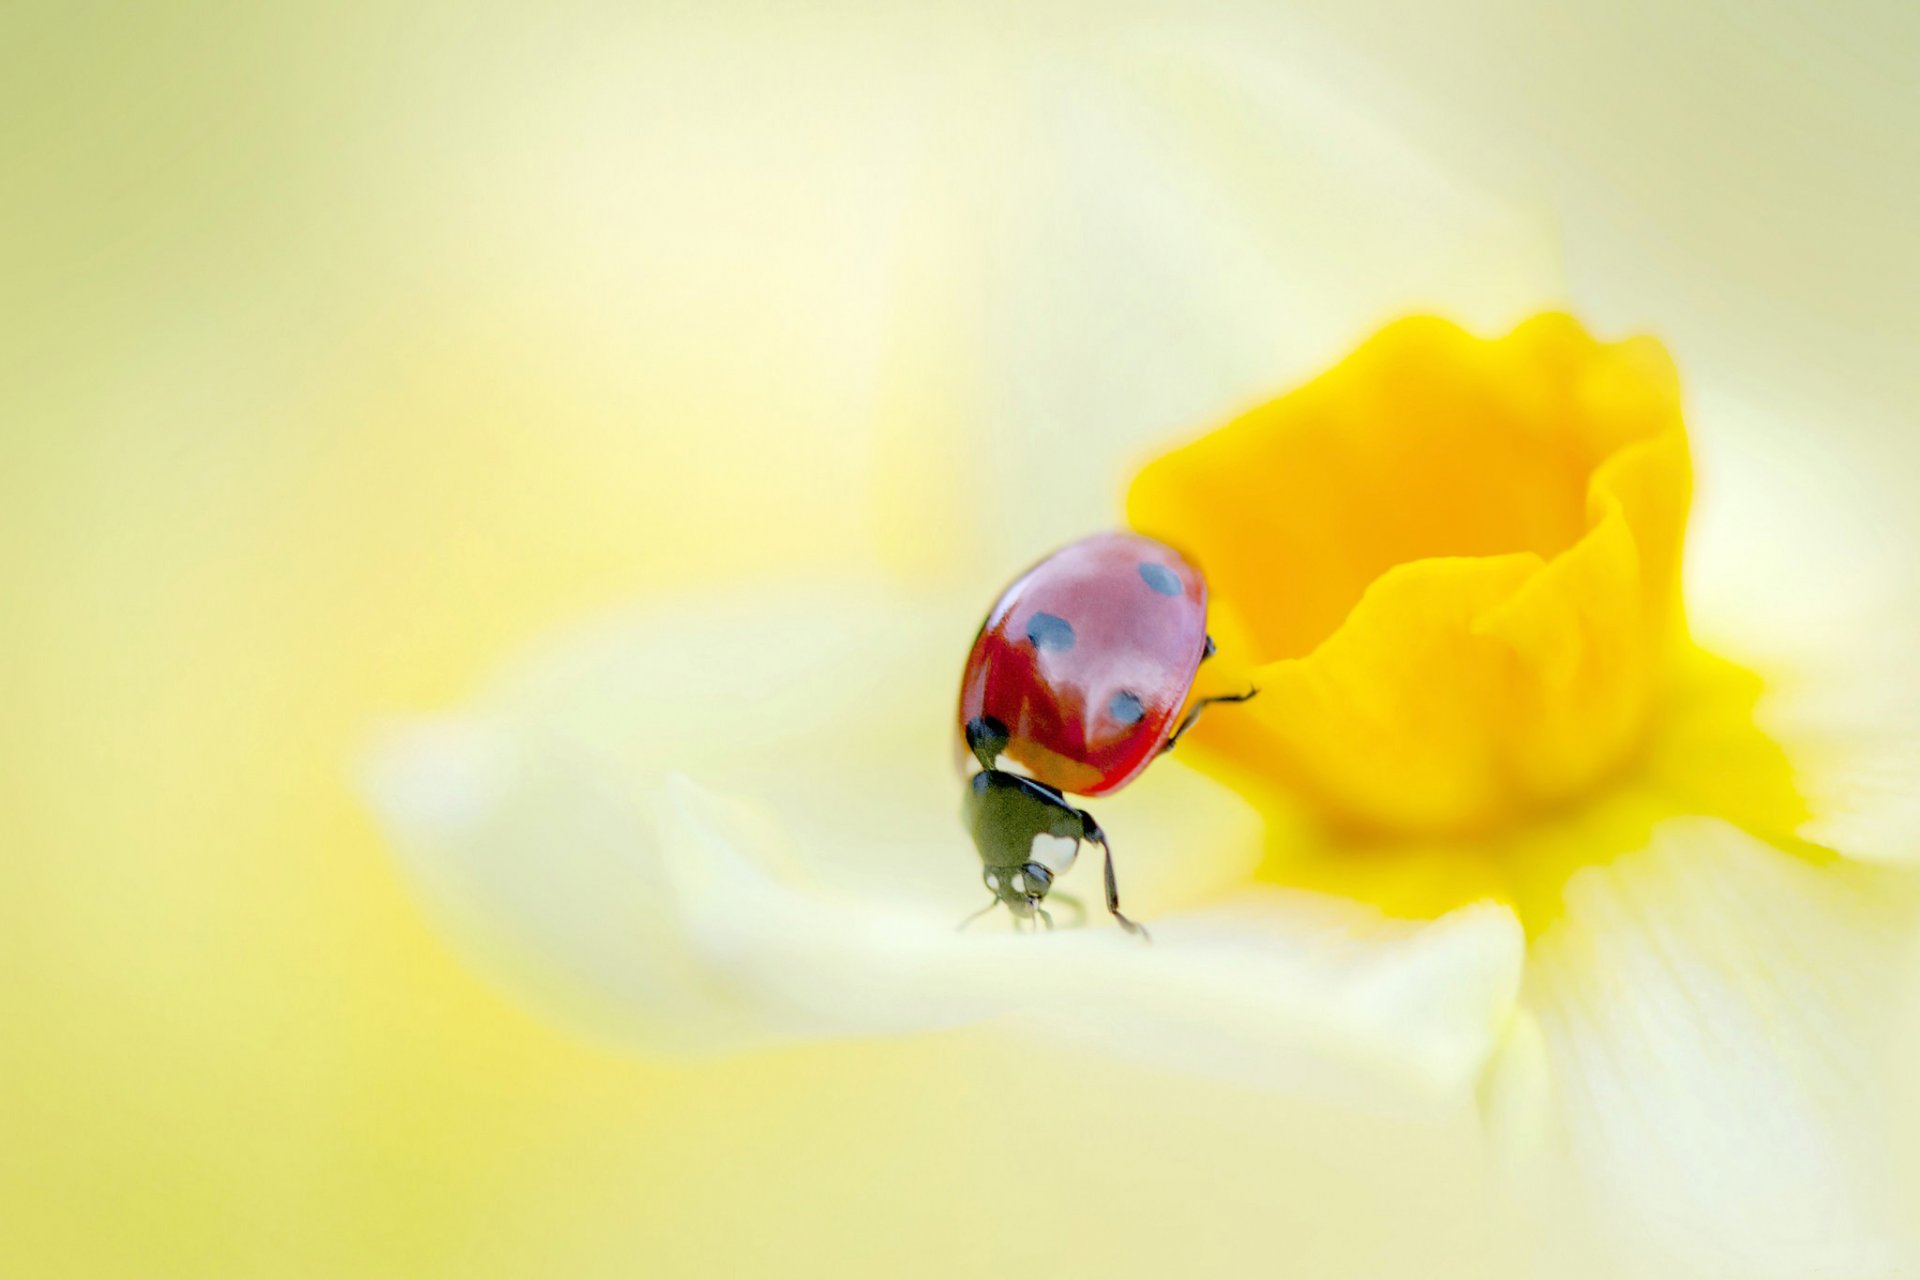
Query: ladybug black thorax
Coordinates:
[1006,813]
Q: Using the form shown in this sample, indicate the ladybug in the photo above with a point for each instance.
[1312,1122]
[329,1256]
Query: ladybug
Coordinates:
[1077,676]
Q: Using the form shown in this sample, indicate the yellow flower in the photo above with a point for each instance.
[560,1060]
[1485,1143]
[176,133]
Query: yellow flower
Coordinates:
[1452,568]
[1456,564]
[1515,839]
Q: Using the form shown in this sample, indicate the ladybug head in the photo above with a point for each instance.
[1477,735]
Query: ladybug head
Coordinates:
[1021,889]
[1026,834]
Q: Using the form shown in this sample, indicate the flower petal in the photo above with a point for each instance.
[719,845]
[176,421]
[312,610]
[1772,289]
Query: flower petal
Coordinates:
[1802,565]
[1696,1056]
[551,834]
[1852,733]
[548,876]
[1285,991]
[1232,217]
[1456,561]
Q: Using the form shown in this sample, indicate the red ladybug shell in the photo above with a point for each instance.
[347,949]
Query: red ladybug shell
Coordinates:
[1087,659]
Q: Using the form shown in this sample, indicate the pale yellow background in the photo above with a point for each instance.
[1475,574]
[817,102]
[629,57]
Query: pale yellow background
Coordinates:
[344,349]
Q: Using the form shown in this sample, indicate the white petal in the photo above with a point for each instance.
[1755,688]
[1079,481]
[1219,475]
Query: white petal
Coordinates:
[1851,727]
[1801,565]
[1701,1043]
[1159,230]
[550,832]
[532,820]
[548,876]
[1286,991]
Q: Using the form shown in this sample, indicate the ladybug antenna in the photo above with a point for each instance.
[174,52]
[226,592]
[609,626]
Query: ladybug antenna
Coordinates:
[962,926]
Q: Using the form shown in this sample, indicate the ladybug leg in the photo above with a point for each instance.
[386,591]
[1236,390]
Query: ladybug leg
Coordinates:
[986,738]
[1091,831]
[1209,650]
[1193,714]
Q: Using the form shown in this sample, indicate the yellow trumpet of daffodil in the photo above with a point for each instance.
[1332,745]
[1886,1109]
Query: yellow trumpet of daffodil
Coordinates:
[1452,566]
[1455,564]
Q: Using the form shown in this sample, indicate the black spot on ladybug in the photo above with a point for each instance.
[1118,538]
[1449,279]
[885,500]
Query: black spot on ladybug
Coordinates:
[1125,707]
[1160,578]
[1049,631]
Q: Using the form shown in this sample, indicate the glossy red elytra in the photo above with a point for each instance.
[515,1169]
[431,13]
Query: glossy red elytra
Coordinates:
[1078,675]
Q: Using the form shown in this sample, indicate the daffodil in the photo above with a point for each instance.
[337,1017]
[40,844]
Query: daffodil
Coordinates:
[1563,802]
[1498,827]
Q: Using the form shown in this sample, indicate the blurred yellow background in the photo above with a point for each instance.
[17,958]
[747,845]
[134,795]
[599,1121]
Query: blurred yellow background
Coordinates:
[346,348]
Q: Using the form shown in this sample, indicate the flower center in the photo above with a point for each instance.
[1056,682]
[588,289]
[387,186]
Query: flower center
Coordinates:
[1451,566]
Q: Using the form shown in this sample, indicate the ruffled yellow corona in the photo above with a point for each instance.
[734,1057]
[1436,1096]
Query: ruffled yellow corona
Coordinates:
[1451,565]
